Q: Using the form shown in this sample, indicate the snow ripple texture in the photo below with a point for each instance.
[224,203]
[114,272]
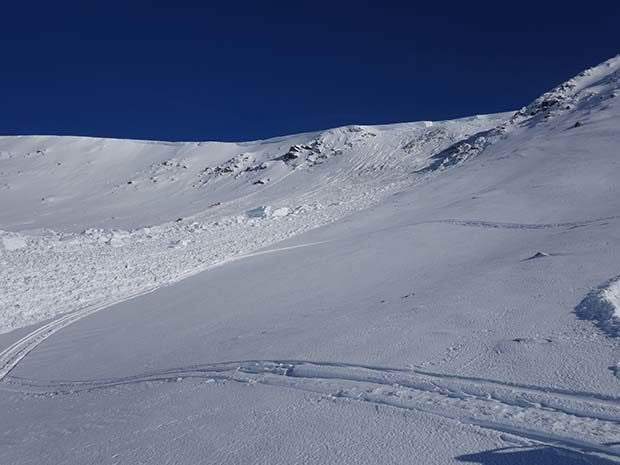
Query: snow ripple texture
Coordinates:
[581,421]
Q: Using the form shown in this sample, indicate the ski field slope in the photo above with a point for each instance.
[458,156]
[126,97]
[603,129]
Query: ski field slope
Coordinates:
[416,293]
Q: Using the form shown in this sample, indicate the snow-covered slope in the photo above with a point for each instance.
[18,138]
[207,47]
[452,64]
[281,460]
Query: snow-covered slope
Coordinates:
[418,293]
[73,183]
[89,221]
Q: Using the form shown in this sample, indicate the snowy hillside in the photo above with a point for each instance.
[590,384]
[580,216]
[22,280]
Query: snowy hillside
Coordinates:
[73,183]
[433,293]
[93,220]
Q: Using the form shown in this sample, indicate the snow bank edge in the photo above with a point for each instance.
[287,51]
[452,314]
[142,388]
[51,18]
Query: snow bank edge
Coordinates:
[602,305]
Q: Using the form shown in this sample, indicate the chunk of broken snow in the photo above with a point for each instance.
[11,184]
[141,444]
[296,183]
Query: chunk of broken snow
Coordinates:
[612,295]
[280,212]
[116,242]
[603,305]
[13,243]
[178,244]
[118,238]
[260,212]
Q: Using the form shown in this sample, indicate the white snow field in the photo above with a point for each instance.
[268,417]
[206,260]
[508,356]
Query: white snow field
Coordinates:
[107,219]
[419,293]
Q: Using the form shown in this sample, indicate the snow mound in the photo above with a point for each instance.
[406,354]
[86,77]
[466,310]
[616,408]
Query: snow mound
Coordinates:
[13,242]
[603,306]
[280,212]
[260,212]
[267,211]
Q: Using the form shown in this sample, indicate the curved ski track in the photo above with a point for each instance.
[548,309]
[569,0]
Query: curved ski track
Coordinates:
[523,226]
[581,421]
[12,355]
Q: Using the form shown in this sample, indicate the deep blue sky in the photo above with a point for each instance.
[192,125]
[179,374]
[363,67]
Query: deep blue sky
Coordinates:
[181,70]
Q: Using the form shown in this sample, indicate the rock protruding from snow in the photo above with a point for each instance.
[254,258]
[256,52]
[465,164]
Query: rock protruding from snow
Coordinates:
[584,91]
[308,154]
[588,88]
[538,255]
[461,151]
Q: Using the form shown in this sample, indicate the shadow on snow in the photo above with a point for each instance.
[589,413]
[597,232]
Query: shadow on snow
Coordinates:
[544,455]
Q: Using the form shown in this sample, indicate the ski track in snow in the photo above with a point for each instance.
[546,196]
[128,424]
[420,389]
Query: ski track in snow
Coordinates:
[42,276]
[102,267]
[587,422]
[333,174]
[522,226]
[12,355]
[76,275]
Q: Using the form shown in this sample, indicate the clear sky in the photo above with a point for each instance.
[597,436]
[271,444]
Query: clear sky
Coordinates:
[180,70]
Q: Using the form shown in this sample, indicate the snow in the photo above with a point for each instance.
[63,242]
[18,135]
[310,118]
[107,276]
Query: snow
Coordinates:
[603,306]
[280,212]
[260,212]
[11,242]
[612,295]
[102,238]
[411,290]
